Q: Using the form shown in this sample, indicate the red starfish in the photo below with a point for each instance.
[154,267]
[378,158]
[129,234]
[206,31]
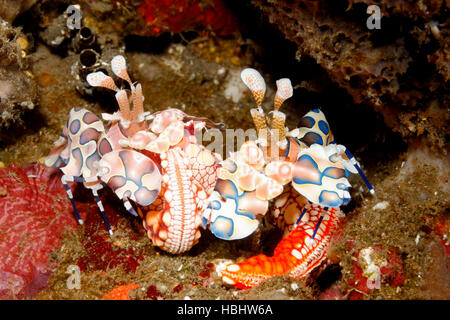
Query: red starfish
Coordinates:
[297,254]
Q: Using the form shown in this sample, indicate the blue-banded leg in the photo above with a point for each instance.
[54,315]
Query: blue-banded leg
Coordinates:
[100,207]
[361,173]
[300,217]
[64,180]
[322,213]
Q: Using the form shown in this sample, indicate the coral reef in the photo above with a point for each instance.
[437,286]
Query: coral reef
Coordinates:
[177,16]
[414,9]
[17,84]
[400,69]
[397,237]
[10,9]
[148,17]
[372,268]
[368,82]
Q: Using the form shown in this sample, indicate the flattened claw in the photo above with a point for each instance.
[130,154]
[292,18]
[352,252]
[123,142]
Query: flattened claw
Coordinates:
[162,119]
[232,213]
[159,145]
[246,177]
[268,189]
[174,132]
[251,154]
[280,171]
[131,175]
[320,177]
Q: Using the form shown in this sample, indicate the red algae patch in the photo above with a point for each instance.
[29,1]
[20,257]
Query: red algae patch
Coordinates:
[153,293]
[34,213]
[101,251]
[177,16]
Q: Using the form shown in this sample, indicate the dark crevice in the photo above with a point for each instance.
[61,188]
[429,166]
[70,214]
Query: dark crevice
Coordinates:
[30,123]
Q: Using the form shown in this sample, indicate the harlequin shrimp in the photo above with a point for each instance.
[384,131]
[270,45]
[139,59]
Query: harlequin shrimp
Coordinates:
[151,161]
[303,170]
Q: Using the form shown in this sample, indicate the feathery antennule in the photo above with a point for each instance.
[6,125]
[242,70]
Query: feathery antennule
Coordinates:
[119,67]
[255,82]
[277,123]
[284,92]
[138,103]
[99,79]
[259,120]
[130,116]
[124,105]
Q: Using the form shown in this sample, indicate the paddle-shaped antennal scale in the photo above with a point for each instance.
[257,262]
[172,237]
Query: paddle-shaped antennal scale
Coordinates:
[99,79]
[255,82]
[284,92]
[119,67]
